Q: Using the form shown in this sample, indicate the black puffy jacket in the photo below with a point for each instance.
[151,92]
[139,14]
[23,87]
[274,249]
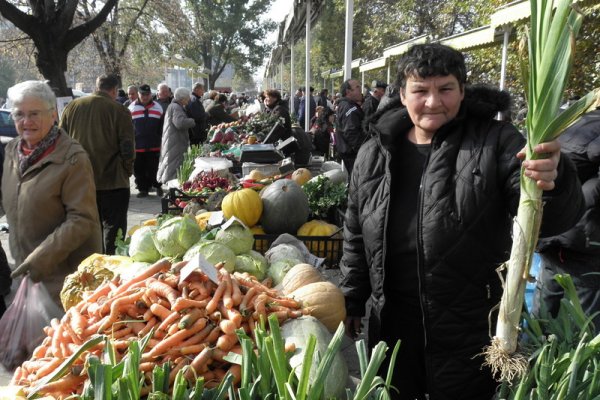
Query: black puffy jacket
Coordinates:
[581,142]
[469,190]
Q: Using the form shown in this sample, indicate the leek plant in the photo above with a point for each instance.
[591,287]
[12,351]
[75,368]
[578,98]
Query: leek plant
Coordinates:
[565,361]
[551,41]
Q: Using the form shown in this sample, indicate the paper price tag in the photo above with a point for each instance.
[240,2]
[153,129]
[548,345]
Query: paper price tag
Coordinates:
[231,221]
[216,218]
[202,264]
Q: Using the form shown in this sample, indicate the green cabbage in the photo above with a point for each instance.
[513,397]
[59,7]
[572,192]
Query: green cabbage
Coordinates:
[279,268]
[253,263]
[214,253]
[237,237]
[284,251]
[176,235]
[142,247]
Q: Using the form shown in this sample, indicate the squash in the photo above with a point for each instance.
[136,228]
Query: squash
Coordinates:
[334,175]
[324,301]
[317,227]
[300,275]
[285,207]
[244,204]
[256,175]
[202,219]
[297,331]
[326,248]
[301,176]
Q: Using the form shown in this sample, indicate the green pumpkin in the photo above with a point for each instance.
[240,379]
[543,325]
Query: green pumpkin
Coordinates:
[285,207]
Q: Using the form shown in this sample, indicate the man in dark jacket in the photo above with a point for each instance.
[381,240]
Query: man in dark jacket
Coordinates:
[302,106]
[217,113]
[428,223]
[349,134]
[147,116]
[371,102]
[577,251]
[196,110]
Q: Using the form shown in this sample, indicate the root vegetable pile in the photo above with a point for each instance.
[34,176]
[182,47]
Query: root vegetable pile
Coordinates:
[194,323]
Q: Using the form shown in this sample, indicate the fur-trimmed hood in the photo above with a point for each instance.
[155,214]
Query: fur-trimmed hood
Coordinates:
[480,101]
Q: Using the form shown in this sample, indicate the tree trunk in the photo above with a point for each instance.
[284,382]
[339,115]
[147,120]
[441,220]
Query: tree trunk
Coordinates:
[52,64]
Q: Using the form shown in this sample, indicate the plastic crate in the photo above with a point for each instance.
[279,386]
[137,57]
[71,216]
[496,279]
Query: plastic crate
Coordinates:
[168,201]
[327,247]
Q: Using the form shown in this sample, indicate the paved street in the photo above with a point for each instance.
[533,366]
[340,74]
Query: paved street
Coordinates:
[148,207]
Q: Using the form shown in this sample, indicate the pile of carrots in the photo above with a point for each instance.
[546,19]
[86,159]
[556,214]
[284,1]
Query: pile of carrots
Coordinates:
[194,324]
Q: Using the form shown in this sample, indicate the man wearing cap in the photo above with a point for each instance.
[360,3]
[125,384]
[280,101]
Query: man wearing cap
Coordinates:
[372,102]
[103,127]
[147,120]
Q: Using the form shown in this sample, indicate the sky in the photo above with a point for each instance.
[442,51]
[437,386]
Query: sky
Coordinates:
[279,10]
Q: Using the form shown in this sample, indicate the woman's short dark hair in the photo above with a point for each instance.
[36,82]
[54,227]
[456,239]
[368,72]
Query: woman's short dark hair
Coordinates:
[221,98]
[431,59]
[272,93]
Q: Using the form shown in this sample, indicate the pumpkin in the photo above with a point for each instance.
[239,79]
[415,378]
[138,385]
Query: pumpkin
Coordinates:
[202,219]
[256,175]
[300,275]
[297,331]
[335,176]
[244,204]
[324,301]
[285,207]
[321,248]
[301,176]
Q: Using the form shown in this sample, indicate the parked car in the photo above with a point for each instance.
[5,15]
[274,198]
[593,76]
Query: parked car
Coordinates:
[7,127]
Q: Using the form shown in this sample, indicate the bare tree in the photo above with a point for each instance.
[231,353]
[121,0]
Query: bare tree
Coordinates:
[49,24]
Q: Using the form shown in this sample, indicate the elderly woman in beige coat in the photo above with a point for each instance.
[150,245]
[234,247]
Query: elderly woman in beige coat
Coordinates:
[48,192]
[175,138]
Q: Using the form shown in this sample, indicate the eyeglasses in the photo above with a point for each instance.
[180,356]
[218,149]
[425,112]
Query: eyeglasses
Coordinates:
[35,115]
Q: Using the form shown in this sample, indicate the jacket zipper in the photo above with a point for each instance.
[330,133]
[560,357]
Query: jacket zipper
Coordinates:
[420,260]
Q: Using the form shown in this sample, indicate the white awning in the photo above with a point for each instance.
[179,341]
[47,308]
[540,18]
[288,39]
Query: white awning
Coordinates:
[373,64]
[403,47]
[474,38]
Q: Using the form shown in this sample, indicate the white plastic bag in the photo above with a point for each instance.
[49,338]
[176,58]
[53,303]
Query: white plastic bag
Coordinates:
[21,326]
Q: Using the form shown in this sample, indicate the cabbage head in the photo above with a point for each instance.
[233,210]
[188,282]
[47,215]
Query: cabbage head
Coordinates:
[253,263]
[214,252]
[237,237]
[284,251]
[176,235]
[142,247]
[279,268]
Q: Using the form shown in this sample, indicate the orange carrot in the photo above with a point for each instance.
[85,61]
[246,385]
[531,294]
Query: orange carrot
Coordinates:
[232,314]
[236,294]
[126,330]
[213,335]
[227,341]
[160,265]
[177,338]
[227,326]
[227,300]
[49,367]
[78,322]
[199,363]
[214,301]
[199,337]
[149,325]
[160,311]
[249,282]
[182,303]
[65,384]
[179,364]
[70,333]
[247,299]
[56,340]
[167,322]
[164,290]
[188,319]
[236,371]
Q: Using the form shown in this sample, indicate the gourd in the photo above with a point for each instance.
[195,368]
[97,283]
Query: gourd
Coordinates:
[285,207]
[298,331]
[244,204]
[256,175]
[301,176]
[300,275]
[324,301]
[317,227]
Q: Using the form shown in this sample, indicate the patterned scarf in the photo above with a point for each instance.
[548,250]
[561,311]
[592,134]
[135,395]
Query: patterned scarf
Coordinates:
[26,161]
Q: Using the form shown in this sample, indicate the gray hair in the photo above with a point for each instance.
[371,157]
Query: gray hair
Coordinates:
[162,85]
[32,89]
[132,87]
[181,93]
[197,85]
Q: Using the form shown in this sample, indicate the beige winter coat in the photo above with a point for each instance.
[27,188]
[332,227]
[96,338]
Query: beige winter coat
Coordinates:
[51,211]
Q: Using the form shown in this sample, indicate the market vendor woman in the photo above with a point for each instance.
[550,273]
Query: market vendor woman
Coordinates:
[429,220]
[48,192]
